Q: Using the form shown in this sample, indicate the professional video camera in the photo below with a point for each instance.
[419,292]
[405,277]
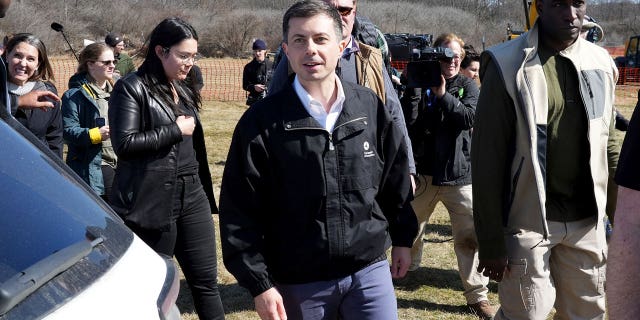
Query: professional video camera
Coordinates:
[423,68]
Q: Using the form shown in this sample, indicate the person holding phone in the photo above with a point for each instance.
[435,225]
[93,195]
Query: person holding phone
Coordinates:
[85,118]
[162,188]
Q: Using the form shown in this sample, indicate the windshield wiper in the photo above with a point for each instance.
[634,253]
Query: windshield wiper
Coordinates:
[18,287]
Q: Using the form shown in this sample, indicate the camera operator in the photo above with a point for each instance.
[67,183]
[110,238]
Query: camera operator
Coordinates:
[440,119]
[256,74]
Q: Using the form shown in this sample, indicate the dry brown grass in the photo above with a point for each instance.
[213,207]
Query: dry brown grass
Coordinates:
[432,292]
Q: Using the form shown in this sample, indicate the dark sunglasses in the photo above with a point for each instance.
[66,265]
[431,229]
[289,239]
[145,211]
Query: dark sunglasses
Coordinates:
[344,11]
[108,62]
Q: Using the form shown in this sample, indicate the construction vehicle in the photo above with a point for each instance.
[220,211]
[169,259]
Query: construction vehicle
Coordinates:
[530,15]
[629,64]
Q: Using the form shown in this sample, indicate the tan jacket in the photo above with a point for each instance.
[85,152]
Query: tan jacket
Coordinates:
[524,79]
[369,69]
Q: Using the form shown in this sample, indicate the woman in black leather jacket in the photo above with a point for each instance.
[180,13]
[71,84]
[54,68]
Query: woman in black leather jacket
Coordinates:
[162,187]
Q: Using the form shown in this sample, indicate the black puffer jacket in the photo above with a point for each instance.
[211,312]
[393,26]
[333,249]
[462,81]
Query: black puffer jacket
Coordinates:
[440,130]
[145,137]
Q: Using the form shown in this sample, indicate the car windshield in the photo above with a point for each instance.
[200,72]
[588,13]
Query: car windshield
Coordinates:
[43,209]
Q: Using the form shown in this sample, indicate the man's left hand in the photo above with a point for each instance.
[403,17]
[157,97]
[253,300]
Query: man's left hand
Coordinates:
[400,261]
[37,100]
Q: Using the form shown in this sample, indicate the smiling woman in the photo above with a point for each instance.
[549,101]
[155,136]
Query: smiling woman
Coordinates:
[29,70]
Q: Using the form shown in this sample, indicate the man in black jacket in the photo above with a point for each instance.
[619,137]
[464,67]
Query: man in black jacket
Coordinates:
[256,73]
[440,123]
[316,189]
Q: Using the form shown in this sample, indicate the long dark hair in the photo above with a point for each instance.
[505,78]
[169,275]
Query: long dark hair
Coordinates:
[44,71]
[166,34]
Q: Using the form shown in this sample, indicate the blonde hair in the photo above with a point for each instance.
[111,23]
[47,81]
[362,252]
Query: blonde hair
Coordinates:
[449,37]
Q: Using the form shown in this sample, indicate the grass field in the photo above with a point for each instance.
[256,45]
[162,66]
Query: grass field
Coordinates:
[432,292]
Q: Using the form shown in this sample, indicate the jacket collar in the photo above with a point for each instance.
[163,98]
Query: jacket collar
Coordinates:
[295,116]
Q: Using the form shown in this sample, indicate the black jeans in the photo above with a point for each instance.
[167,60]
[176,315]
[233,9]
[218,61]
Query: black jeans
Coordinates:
[107,176]
[191,238]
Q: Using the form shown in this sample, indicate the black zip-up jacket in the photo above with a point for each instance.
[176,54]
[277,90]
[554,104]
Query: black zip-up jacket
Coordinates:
[440,130]
[299,204]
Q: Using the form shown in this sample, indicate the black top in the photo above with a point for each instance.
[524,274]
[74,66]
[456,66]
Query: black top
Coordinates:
[628,172]
[187,163]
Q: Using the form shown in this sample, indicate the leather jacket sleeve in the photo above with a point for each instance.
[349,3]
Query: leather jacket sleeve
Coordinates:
[133,131]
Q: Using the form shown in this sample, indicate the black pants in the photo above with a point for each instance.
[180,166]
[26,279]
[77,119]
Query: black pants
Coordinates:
[108,173]
[191,239]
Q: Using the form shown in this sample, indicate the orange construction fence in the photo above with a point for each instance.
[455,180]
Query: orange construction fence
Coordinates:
[223,78]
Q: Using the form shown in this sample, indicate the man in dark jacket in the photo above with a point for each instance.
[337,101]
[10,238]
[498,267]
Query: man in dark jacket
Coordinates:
[256,73]
[316,189]
[440,122]
[125,63]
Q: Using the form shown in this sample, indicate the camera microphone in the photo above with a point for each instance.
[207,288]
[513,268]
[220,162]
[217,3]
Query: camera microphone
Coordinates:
[57,27]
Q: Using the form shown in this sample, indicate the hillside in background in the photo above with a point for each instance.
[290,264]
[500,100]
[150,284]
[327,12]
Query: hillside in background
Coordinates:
[227,27]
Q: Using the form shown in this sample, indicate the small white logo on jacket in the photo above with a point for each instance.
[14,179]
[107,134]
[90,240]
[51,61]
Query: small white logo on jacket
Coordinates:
[367,153]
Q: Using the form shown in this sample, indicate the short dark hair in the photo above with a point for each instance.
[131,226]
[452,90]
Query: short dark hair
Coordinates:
[308,9]
[470,55]
[44,71]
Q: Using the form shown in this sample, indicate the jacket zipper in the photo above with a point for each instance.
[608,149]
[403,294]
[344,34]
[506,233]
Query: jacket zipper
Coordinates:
[342,219]
[331,146]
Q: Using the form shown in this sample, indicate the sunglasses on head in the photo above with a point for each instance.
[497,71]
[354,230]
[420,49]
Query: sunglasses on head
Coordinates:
[344,11]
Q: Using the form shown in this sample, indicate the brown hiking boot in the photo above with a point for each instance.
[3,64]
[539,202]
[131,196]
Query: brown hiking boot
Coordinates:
[483,310]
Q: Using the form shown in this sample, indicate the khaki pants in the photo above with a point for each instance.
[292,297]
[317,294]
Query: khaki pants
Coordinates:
[566,271]
[457,200]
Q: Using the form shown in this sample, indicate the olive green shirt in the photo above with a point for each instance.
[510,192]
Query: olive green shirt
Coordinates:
[125,64]
[570,195]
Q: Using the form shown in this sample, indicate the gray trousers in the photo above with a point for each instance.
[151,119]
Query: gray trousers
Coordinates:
[367,294]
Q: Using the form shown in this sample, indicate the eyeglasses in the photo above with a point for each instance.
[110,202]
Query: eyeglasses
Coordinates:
[108,62]
[344,11]
[184,57]
[449,59]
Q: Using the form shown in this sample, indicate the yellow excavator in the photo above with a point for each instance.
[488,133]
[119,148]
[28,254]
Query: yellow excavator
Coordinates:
[530,15]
